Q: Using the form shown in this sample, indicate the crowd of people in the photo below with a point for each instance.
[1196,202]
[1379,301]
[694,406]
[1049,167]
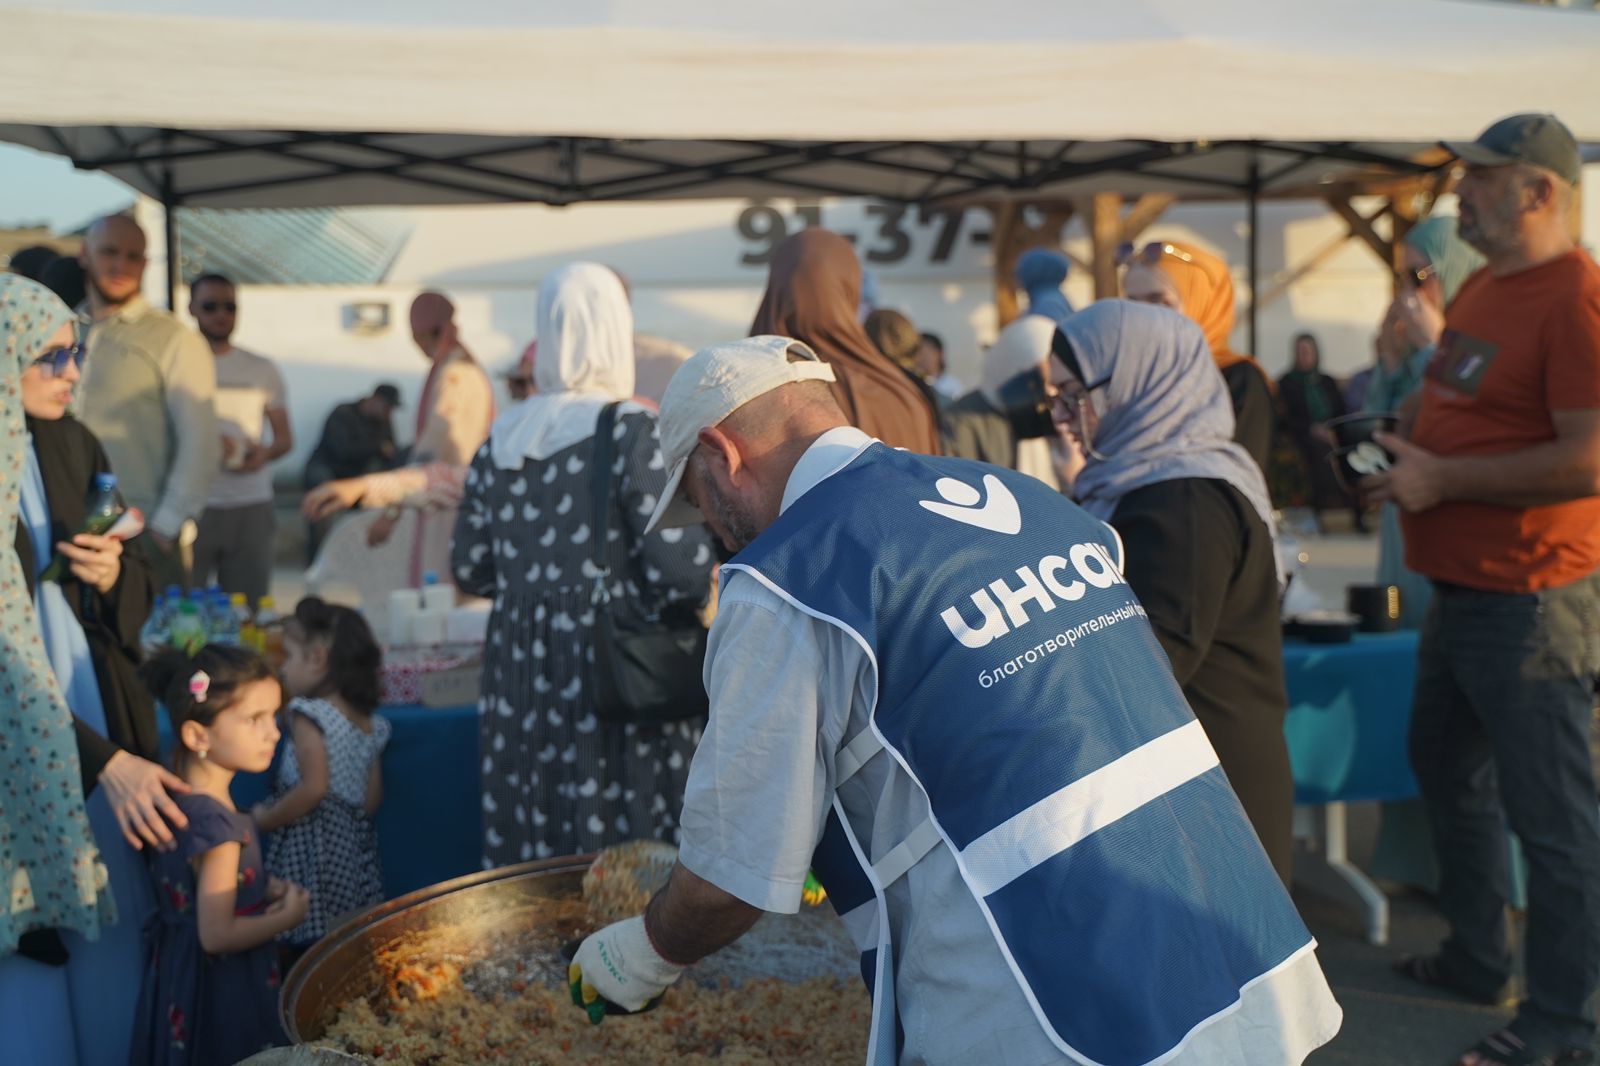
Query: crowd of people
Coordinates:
[1063,584]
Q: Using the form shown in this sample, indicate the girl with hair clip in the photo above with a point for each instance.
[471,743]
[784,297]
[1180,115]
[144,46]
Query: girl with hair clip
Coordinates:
[211,993]
[329,781]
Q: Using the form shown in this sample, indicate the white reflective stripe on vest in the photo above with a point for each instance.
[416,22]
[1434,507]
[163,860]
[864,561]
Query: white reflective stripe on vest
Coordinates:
[906,854]
[854,755]
[1062,819]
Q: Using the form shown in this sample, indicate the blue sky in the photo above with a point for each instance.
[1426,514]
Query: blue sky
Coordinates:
[45,189]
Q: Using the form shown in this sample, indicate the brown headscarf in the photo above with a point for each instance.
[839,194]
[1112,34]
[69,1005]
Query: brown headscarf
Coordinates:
[813,291]
[1205,292]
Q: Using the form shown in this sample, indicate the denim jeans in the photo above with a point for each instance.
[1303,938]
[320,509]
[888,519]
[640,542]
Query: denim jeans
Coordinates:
[1500,732]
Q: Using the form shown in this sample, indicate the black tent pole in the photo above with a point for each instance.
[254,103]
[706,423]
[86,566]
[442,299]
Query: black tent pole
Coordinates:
[1253,252]
[169,219]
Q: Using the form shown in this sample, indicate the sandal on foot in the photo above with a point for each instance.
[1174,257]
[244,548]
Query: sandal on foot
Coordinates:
[1429,970]
[1506,1048]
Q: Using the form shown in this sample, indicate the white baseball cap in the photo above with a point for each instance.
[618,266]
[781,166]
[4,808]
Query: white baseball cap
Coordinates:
[710,386]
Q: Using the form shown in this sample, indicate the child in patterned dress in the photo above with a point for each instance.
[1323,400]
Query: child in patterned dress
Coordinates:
[330,781]
[211,992]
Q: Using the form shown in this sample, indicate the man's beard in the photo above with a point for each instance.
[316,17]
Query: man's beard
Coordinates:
[1493,228]
[214,338]
[739,526]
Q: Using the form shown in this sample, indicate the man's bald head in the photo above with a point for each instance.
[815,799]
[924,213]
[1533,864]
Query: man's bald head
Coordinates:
[113,260]
[801,407]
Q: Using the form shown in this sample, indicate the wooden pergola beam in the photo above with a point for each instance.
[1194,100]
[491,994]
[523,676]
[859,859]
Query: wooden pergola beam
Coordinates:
[1143,214]
[1105,233]
[1361,226]
[1325,252]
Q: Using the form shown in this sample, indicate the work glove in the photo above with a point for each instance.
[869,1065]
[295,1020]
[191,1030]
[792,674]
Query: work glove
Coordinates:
[813,892]
[618,965]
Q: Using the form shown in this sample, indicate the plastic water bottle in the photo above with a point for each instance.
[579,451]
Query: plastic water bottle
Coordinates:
[102,509]
[153,635]
[188,629]
[224,623]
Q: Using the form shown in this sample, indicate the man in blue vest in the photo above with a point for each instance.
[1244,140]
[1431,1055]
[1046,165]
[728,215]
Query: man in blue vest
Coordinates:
[930,683]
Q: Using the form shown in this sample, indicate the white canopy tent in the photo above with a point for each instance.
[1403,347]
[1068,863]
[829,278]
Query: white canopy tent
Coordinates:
[213,103]
[225,103]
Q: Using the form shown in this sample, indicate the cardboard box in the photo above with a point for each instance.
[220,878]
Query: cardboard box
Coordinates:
[455,686]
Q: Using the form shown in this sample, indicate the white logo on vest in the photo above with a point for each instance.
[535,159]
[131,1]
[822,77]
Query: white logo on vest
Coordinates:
[999,514]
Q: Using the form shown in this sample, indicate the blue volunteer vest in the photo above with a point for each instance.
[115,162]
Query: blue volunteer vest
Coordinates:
[1020,684]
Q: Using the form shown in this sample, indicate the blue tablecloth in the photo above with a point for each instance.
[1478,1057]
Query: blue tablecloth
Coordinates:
[1349,709]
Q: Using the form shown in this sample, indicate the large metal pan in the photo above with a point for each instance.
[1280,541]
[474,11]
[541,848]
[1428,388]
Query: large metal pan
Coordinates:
[492,916]
[460,917]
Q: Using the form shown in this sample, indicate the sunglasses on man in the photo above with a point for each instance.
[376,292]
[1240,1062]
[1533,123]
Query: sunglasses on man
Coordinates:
[54,361]
[213,306]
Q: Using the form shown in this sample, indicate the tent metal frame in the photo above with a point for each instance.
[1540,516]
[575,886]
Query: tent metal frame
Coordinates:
[980,172]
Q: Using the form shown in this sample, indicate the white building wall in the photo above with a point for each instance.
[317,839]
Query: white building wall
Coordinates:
[696,277]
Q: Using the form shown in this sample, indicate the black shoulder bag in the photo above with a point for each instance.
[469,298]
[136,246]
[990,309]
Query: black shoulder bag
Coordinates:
[647,667]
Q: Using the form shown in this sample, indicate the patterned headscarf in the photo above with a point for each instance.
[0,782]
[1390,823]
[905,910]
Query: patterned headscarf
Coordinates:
[51,876]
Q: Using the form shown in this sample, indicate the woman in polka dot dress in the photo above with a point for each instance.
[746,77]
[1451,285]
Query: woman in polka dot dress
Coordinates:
[556,780]
[330,781]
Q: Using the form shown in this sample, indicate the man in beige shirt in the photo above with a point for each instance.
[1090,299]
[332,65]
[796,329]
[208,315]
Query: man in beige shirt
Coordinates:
[147,394]
[237,529]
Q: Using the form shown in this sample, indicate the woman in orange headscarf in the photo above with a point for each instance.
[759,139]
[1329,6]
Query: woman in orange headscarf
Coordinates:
[1197,283]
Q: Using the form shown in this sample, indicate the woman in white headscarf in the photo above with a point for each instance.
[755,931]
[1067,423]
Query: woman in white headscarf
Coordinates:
[556,780]
[975,426]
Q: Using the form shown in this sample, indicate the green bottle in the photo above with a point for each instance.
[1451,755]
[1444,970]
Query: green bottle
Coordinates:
[103,511]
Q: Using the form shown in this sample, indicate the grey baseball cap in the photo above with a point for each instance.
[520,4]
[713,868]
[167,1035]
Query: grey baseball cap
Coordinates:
[1539,140]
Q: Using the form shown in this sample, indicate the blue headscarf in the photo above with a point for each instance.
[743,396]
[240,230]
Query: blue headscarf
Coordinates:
[51,876]
[1452,257]
[1041,272]
[1455,261]
[1164,409]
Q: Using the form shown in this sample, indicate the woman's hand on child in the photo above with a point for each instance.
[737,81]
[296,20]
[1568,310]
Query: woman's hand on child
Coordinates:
[292,904]
[139,794]
[276,888]
[96,561]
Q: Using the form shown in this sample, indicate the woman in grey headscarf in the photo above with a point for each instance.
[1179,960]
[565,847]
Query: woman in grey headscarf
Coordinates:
[1136,386]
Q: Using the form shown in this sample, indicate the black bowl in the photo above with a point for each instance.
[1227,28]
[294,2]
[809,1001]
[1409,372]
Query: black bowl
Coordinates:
[1351,430]
[1322,627]
[1350,465]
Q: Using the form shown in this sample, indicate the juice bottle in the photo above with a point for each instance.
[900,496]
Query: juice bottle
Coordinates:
[269,632]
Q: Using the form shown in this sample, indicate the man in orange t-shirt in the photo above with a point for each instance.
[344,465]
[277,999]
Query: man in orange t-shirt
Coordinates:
[1500,485]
